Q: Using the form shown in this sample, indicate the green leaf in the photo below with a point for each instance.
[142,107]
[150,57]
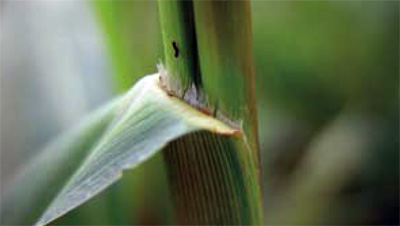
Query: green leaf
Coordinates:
[44,176]
[146,120]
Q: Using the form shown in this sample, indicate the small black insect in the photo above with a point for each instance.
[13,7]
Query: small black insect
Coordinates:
[176,49]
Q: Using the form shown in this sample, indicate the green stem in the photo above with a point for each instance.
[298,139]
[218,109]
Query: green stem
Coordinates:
[214,179]
[180,47]
[226,56]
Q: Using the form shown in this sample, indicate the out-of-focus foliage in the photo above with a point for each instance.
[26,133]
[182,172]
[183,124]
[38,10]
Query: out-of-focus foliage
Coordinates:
[53,71]
[132,36]
[327,93]
[322,65]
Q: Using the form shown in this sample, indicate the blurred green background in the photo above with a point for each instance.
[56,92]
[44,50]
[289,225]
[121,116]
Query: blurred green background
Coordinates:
[327,76]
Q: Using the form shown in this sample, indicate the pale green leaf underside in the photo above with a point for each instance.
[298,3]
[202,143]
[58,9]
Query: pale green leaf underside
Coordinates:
[146,120]
[35,186]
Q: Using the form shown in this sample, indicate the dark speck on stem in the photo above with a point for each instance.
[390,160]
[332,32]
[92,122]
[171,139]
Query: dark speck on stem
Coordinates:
[176,49]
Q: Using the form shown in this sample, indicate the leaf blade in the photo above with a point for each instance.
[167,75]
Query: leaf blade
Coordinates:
[35,185]
[148,119]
